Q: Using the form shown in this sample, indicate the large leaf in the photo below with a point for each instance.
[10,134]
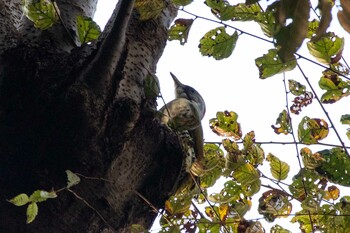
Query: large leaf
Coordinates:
[335,87]
[271,64]
[327,49]
[179,30]
[217,43]
[335,166]
[290,37]
[240,12]
[225,124]
[88,30]
[278,168]
[44,13]
[305,183]
[311,130]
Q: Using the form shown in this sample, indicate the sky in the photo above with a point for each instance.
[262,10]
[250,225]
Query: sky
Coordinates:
[233,84]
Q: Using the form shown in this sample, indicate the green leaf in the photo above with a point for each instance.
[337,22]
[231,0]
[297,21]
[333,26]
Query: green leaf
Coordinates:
[335,166]
[41,12]
[327,49]
[305,180]
[290,37]
[284,123]
[72,178]
[296,88]
[41,195]
[273,204]
[271,64]
[20,199]
[335,87]
[32,212]
[246,175]
[218,43]
[312,28]
[311,130]
[178,204]
[230,193]
[254,154]
[213,164]
[180,30]
[268,22]
[278,168]
[206,225]
[345,119]
[182,2]
[240,12]
[149,9]
[225,124]
[278,229]
[88,30]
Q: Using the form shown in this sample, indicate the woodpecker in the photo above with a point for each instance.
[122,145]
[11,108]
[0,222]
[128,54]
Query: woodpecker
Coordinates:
[184,114]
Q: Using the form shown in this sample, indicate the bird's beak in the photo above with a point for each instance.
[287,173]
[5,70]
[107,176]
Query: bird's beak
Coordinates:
[177,82]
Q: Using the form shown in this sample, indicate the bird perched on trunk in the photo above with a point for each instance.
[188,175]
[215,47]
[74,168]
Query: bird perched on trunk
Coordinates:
[185,113]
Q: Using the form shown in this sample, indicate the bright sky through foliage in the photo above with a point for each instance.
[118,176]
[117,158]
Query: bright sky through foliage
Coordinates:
[233,84]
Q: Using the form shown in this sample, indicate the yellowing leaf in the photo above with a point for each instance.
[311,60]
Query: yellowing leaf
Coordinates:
[73,179]
[311,161]
[178,204]
[327,49]
[217,43]
[284,123]
[20,199]
[332,193]
[32,212]
[278,168]
[223,211]
[149,9]
[41,12]
[88,30]
[335,87]
[313,25]
[311,130]
[180,30]
[225,124]
[271,64]
[240,12]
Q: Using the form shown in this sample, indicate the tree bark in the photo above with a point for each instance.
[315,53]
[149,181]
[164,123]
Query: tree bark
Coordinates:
[83,109]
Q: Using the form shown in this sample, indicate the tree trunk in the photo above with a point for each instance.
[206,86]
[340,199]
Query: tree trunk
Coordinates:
[82,109]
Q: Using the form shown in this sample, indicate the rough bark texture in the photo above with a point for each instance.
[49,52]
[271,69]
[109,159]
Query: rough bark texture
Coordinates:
[54,116]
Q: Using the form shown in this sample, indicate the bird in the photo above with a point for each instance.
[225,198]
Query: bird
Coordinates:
[184,115]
